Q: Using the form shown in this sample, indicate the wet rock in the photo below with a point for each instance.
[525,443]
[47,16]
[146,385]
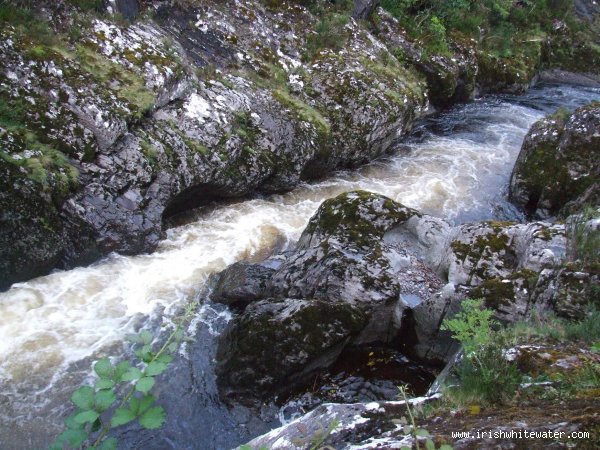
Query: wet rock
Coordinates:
[345,426]
[241,283]
[558,164]
[450,79]
[127,8]
[364,8]
[274,345]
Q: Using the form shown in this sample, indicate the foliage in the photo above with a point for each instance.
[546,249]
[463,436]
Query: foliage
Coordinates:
[485,375]
[472,326]
[98,409]
[330,34]
[411,428]
[500,25]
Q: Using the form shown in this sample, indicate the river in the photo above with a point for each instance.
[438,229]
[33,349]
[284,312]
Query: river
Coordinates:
[455,165]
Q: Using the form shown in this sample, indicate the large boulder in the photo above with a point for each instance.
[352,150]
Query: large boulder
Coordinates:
[402,271]
[558,169]
[275,345]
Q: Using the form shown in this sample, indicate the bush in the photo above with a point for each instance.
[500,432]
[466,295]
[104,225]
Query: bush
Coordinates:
[486,377]
[472,326]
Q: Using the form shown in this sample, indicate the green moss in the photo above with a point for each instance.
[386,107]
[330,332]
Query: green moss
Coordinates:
[495,241]
[126,84]
[460,249]
[149,152]
[304,112]
[496,292]
[358,216]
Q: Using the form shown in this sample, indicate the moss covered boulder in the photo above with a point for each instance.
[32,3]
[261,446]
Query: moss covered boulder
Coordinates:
[559,164]
[277,344]
[342,256]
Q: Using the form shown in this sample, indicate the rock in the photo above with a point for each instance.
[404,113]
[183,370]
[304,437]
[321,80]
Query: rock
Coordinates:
[403,271]
[558,76]
[167,134]
[558,163]
[127,8]
[275,345]
[344,426]
[364,8]
[450,79]
[241,284]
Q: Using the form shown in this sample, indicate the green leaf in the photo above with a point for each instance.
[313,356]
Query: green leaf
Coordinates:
[121,417]
[121,369]
[422,433]
[446,447]
[86,416]
[144,384]
[146,337]
[83,397]
[104,368]
[429,445]
[164,359]
[134,405]
[172,347]
[104,400]
[178,334]
[146,403]
[109,444]
[104,383]
[153,418]
[74,437]
[70,421]
[155,368]
[132,374]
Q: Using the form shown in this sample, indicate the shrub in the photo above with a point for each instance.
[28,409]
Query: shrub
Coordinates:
[472,326]
[486,377]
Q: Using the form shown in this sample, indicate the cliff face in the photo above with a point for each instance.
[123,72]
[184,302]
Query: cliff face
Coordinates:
[109,127]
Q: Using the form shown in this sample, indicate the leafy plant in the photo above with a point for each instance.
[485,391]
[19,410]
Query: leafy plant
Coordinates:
[472,326]
[98,408]
[417,432]
[485,375]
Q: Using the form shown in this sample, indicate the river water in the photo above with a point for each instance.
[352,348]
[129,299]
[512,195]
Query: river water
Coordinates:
[455,165]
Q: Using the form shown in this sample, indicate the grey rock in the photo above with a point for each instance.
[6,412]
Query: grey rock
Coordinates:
[274,345]
[364,8]
[559,164]
[241,283]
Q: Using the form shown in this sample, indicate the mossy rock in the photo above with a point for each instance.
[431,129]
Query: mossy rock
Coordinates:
[359,217]
[558,163]
[275,345]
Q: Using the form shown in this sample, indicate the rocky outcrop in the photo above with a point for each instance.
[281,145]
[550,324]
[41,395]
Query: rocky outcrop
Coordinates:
[344,426]
[364,8]
[450,77]
[558,169]
[123,126]
[402,270]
